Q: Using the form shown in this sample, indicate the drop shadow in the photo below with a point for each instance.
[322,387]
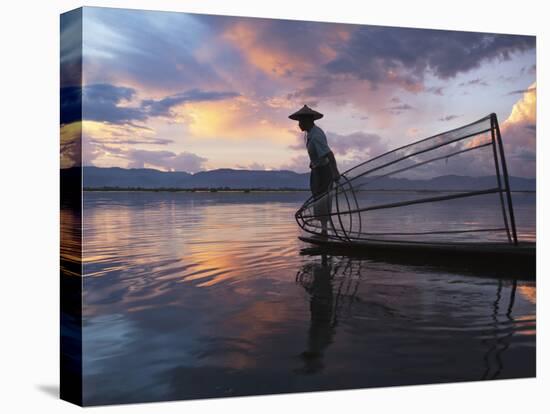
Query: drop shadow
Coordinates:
[49,389]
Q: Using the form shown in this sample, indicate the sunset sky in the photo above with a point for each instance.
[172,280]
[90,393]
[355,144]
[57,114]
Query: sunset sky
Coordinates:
[189,92]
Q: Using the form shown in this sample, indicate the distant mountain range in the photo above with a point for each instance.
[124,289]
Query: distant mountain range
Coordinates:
[95,177]
[450,182]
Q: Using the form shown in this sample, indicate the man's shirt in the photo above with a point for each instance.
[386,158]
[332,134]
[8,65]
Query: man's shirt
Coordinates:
[317,146]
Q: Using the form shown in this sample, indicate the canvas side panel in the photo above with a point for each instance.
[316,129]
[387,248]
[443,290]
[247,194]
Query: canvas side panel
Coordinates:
[71,206]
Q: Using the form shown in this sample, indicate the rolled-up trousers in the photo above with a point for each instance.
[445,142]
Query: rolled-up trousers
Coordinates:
[320,180]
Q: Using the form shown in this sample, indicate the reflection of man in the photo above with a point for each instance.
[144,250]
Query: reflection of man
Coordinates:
[321,328]
[324,170]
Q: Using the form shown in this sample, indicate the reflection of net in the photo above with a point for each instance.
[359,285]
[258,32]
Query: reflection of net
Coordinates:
[335,284]
[451,187]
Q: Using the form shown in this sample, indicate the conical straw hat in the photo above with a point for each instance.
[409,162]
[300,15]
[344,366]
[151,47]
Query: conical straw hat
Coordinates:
[305,111]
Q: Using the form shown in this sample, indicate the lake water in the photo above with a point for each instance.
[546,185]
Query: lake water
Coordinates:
[196,295]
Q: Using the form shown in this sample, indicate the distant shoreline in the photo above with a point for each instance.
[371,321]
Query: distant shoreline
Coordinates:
[194,190]
[116,179]
[263,190]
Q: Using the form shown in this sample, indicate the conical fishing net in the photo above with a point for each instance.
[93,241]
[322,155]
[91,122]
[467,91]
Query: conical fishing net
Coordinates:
[448,188]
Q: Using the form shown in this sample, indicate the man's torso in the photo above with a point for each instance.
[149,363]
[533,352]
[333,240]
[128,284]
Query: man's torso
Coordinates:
[317,146]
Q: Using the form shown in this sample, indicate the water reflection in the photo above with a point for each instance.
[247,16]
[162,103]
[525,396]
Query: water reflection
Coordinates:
[195,296]
[503,331]
[498,344]
[316,278]
[70,299]
[332,284]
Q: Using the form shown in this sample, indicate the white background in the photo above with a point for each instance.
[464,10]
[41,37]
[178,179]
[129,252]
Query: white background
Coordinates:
[29,293]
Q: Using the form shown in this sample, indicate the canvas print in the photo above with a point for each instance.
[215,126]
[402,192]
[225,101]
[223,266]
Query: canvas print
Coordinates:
[258,206]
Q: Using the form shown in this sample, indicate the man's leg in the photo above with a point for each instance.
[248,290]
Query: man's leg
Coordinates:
[324,227]
[326,206]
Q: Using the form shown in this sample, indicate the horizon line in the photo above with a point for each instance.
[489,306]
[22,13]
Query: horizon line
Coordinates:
[244,169]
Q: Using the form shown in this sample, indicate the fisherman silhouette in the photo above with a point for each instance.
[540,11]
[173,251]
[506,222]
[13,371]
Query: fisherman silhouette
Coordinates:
[324,171]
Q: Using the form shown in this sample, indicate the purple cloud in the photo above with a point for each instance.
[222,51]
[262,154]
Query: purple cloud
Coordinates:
[183,161]
[449,118]
[477,81]
[407,54]
[398,109]
[103,103]
[365,144]
[522,91]
[163,106]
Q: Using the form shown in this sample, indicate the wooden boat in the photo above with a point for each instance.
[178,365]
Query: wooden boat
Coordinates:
[510,251]
[498,259]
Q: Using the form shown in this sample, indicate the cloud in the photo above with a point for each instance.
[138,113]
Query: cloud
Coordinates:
[152,51]
[402,55]
[524,111]
[477,81]
[449,118]
[509,79]
[269,55]
[319,86]
[283,48]
[70,104]
[363,144]
[99,154]
[240,119]
[111,103]
[71,48]
[412,132]
[398,109]
[105,144]
[166,160]
[525,155]
[103,102]
[98,102]
[299,164]
[255,166]
[436,90]
[522,91]
[519,135]
[163,106]
[135,141]
[127,134]
[531,70]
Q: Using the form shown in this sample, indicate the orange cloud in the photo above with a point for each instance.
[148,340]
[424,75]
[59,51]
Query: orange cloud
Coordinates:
[412,132]
[519,134]
[238,119]
[478,140]
[106,145]
[524,111]
[274,61]
[108,132]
